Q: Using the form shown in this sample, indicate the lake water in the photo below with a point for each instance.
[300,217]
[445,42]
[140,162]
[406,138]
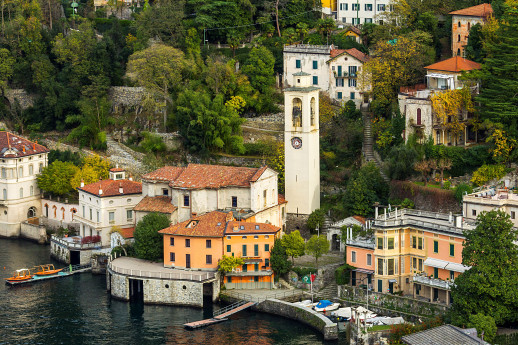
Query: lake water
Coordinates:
[78,310]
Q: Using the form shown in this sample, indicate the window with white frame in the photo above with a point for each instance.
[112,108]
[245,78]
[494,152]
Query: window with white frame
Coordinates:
[369,259]
[111,216]
[353,256]
[368,7]
[356,7]
[129,215]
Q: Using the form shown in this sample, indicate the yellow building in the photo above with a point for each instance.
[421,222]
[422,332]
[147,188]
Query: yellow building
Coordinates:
[328,6]
[418,253]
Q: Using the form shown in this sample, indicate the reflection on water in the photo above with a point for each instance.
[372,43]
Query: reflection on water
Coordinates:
[78,310]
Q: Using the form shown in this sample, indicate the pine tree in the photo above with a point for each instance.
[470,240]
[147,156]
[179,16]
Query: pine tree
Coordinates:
[499,81]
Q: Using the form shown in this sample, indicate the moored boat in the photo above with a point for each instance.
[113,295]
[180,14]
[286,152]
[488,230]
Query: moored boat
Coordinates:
[20,275]
[325,305]
[46,270]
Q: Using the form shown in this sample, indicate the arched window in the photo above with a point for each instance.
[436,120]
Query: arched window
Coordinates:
[418,116]
[41,167]
[458,25]
[63,213]
[458,52]
[31,170]
[21,192]
[297,112]
[31,213]
[46,210]
[458,38]
[31,191]
[55,210]
[312,116]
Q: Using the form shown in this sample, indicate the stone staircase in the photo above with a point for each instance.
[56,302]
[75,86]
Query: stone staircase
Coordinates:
[368,144]
[329,292]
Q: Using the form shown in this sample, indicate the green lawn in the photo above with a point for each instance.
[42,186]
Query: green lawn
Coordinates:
[376,328]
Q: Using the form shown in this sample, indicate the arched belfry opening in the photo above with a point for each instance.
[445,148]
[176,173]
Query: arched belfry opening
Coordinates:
[312,111]
[297,112]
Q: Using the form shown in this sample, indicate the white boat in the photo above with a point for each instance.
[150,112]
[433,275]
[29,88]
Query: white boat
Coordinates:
[344,313]
[304,303]
[325,306]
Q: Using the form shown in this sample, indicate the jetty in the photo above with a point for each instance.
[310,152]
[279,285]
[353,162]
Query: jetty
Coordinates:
[72,269]
[220,315]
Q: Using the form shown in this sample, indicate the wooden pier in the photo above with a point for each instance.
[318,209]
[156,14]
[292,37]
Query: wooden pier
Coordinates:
[69,272]
[220,315]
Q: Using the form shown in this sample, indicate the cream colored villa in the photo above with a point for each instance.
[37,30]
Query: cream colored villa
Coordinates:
[20,162]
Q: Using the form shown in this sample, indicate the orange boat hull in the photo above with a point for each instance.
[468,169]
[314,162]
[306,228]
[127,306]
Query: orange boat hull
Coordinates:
[18,279]
[48,273]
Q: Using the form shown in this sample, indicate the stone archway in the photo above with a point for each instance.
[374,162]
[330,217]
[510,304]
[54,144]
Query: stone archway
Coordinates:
[31,213]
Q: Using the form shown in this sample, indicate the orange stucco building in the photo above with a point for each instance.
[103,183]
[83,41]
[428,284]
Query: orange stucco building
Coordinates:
[462,22]
[252,242]
[200,242]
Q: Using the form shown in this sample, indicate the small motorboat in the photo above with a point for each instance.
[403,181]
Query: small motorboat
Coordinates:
[20,275]
[325,305]
[342,314]
[46,270]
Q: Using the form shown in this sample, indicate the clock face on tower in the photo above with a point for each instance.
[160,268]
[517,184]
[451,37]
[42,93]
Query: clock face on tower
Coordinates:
[296,142]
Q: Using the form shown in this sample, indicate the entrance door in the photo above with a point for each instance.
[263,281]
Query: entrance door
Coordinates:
[391,287]
[380,285]
[75,257]
[187,260]
[435,294]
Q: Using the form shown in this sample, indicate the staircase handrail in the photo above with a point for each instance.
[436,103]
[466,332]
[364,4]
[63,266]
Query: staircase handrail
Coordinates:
[229,307]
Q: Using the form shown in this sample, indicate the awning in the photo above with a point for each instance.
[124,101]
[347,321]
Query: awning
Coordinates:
[363,270]
[452,266]
[392,281]
[439,75]
[436,263]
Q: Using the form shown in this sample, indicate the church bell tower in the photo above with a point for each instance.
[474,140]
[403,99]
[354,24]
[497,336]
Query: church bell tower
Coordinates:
[301,146]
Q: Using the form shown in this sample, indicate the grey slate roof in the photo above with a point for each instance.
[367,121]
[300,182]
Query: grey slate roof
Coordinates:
[300,74]
[442,335]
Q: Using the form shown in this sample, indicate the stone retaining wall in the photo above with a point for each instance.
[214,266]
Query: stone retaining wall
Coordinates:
[34,232]
[302,314]
[21,96]
[161,291]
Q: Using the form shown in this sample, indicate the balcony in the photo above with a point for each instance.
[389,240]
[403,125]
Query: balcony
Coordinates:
[433,282]
[75,242]
[263,272]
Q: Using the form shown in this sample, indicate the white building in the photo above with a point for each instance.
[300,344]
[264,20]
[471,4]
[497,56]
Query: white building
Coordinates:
[183,192]
[107,203]
[332,70]
[361,12]
[488,200]
[302,145]
[20,162]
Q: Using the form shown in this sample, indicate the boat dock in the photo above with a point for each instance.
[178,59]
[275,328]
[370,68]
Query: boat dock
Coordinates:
[220,315]
[71,271]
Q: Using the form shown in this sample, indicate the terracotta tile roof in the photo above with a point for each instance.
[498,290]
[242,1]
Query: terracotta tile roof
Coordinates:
[355,53]
[482,10]
[258,173]
[14,146]
[281,199]
[211,224]
[238,228]
[200,176]
[454,64]
[335,52]
[127,232]
[360,219]
[161,204]
[111,188]
[354,29]
[167,174]
[116,169]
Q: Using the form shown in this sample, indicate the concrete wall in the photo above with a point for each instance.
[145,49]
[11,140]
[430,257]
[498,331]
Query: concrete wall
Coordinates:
[301,314]
[62,253]
[161,291]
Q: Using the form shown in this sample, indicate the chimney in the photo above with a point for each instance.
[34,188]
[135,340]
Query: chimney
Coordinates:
[121,190]
[194,214]
[23,148]
[100,190]
[82,183]
[130,178]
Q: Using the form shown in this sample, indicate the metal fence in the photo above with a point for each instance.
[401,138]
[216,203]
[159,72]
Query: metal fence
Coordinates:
[163,275]
[258,299]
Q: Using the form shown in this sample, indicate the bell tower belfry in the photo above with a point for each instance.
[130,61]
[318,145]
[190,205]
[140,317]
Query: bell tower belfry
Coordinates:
[301,146]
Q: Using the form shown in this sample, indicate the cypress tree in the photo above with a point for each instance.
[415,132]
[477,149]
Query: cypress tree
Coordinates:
[499,78]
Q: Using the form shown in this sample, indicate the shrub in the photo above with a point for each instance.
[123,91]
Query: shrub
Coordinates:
[342,274]
[152,143]
[462,189]
[487,173]
[303,271]
[407,203]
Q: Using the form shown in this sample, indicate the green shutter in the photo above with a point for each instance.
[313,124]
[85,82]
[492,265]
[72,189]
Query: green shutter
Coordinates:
[435,247]
[452,249]
[229,248]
